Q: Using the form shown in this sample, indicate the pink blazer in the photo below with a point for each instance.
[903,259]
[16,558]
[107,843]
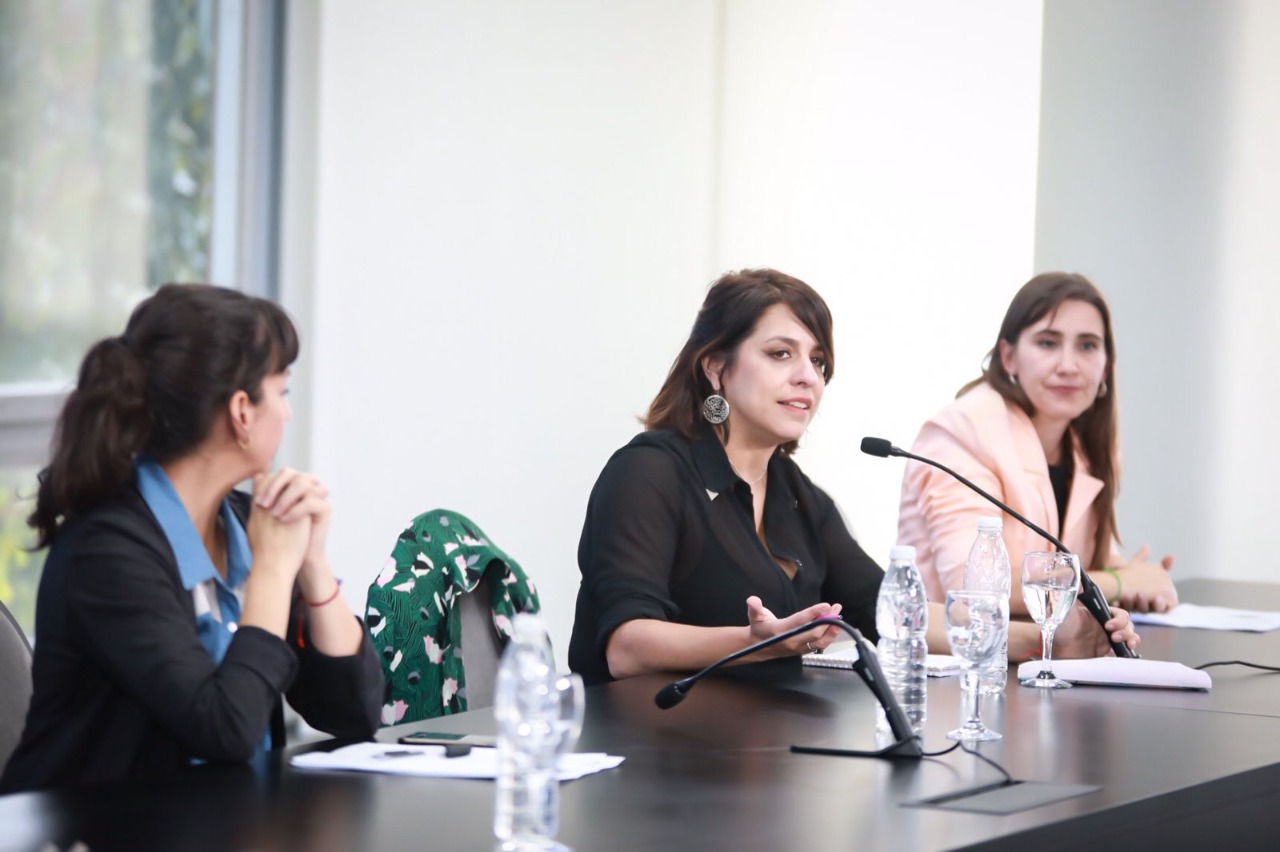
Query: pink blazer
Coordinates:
[994,444]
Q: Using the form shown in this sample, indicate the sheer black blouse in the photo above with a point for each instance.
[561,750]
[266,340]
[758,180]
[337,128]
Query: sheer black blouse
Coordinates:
[670,535]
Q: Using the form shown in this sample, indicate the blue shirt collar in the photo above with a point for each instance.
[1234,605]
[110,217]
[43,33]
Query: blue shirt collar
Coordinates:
[194,565]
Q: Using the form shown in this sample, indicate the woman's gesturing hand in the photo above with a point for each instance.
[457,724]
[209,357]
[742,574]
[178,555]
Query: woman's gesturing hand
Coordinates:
[764,624]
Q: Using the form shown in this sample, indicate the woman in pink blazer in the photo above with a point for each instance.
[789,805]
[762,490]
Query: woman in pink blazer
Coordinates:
[1037,430]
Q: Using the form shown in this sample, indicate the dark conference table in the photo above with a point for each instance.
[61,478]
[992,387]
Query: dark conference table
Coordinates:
[1176,769]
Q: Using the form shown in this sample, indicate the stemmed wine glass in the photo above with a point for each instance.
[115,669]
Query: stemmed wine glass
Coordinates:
[975,622]
[567,708]
[1050,583]
[572,707]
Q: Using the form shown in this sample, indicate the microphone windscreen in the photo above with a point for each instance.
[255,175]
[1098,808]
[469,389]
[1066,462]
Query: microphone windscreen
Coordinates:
[877,447]
[669,696]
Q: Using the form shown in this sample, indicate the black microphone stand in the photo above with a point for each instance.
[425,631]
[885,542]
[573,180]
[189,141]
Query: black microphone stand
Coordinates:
[867,666]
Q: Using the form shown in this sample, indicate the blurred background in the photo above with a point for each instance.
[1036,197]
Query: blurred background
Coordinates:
[494,222]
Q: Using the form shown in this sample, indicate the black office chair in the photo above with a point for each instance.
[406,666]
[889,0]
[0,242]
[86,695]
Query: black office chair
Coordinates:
[15,675]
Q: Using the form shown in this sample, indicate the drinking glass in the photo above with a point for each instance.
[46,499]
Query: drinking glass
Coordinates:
[975,622]
[567,708]
[1050,583]
[572,707]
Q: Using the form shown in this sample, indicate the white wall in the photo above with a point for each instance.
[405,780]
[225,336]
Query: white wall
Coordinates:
[514,211]
[1248,390]
[885,153]
[511,236]
[1159,180]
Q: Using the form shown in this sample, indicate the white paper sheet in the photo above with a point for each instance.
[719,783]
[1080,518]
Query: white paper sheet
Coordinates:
[430,761]
[1212,618]
[1123,671]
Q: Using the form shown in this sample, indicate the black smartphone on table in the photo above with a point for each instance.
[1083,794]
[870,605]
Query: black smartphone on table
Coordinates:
[438,738]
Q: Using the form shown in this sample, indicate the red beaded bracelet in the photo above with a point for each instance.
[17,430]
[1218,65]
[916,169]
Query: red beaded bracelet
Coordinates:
[330,599]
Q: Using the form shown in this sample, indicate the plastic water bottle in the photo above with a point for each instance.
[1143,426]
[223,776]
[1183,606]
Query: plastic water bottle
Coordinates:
[902,617]
[988,571]
[527,805]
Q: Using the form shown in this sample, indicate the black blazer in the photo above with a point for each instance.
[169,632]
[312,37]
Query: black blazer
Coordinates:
[123,685]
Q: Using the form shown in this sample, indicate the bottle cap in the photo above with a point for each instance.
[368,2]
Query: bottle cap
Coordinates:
[902,553]
[990,523]
[527,624]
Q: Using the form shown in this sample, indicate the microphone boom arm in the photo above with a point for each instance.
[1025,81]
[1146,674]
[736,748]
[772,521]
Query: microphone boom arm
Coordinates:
[1062,548]
[867,667]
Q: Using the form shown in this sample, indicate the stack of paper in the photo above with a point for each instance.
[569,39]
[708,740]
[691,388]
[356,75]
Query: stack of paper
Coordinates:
[1122,671]
[431,761]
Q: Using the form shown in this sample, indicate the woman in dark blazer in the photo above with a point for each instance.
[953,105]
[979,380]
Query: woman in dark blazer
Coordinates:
[174,612]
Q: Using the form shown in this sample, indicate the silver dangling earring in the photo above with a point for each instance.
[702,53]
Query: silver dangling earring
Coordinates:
[1013,380]
[715,409]
[1102,391]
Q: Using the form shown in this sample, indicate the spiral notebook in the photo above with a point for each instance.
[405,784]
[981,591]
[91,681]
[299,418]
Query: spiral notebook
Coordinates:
[844,656]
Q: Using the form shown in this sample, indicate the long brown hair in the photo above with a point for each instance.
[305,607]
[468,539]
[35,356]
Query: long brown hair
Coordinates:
[157,389]
[729,314]
[1096,428]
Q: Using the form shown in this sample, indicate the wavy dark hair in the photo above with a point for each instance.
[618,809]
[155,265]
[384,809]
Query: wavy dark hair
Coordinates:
[157,389]
[729,314]
[1097,428]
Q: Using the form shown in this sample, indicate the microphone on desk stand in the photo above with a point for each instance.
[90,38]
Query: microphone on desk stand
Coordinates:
[868,668]
[1090,595]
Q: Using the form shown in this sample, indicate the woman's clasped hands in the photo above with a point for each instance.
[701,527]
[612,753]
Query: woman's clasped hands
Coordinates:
[289,522]
[1147,587]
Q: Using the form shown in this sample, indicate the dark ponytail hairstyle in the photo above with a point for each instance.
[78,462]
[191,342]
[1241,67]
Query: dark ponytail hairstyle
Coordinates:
[157,389]
[729,314]
[1097,428]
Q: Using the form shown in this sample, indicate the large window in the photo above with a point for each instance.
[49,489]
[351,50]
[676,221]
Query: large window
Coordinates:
[127,129]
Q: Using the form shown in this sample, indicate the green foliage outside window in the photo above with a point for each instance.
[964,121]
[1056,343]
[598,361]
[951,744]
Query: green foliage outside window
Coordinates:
[19,568]
[106,123]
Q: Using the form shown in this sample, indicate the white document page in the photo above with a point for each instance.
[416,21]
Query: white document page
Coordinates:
[1212,618]
[430,761]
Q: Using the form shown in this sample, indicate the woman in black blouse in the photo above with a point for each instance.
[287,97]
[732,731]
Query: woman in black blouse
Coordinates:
[702,535]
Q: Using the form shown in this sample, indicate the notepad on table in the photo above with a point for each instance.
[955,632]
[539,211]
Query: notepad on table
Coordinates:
[843,656]
[1122,671]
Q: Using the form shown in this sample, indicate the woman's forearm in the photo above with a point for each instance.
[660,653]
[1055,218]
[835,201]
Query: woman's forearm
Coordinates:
[334,630]
[647,645]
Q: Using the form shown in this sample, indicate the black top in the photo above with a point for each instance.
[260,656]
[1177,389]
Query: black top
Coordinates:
[123,685]
[1060,479]
[670,535]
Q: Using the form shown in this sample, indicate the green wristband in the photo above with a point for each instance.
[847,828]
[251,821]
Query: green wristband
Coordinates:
[1115,575]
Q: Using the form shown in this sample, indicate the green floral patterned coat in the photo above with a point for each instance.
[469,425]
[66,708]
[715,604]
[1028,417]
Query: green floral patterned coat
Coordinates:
[412,611]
